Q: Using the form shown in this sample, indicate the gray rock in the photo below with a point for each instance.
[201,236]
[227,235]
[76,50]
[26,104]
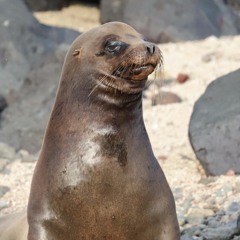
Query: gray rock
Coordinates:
[3,103]
[42,5]
[214,128]
[6,151]
[164,21]
[3,163]
[213,222]
[27,118]
[224,190]
[178,193]
[187,203]
[196,215]
[222,232]
[24,43]
[3,190]
[186,236]
[7,154]
[236,186]
[208,180]
[234,207]
[32,57]
[193,230]
[181,219]
[26,157]
[3,205]
[224,227]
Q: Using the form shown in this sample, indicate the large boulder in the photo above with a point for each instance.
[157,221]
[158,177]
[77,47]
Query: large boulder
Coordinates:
[43,5]
[172,20]
[31,57]
[24,43]
[23,123]
[214,128]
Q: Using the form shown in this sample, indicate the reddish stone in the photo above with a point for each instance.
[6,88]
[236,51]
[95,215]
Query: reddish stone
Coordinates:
[182,77]
[230,172]
[162,158]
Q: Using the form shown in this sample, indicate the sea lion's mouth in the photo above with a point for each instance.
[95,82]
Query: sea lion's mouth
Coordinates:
[137,69]
[134,71]
[131,82]
[129,79]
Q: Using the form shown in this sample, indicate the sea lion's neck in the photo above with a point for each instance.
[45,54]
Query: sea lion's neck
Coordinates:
[117,101]
[98,106]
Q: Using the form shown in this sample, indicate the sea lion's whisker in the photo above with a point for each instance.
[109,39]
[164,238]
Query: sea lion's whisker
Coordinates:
[141,59]
[120,67]
[98,84]
[157,88]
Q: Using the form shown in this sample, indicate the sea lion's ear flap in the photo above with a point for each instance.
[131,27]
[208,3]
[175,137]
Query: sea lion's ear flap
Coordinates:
[77,52]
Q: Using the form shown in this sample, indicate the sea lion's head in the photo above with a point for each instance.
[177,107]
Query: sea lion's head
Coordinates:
[113,57]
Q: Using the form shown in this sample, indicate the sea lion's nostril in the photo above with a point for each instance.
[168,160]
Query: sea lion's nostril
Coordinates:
[150,48]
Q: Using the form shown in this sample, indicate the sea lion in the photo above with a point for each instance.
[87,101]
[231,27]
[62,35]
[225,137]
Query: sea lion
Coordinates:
[96,177]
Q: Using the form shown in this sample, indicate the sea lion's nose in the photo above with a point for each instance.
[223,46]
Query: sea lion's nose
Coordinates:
[150,48]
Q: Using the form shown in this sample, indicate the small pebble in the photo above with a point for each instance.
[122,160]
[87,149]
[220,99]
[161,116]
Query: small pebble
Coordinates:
[3,190]
[6,151]
[182,77]
[3,205]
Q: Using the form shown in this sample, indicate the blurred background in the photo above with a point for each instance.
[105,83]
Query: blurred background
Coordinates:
[191,107]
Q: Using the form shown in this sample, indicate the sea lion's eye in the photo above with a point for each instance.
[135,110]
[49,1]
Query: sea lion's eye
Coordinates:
[113,46]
